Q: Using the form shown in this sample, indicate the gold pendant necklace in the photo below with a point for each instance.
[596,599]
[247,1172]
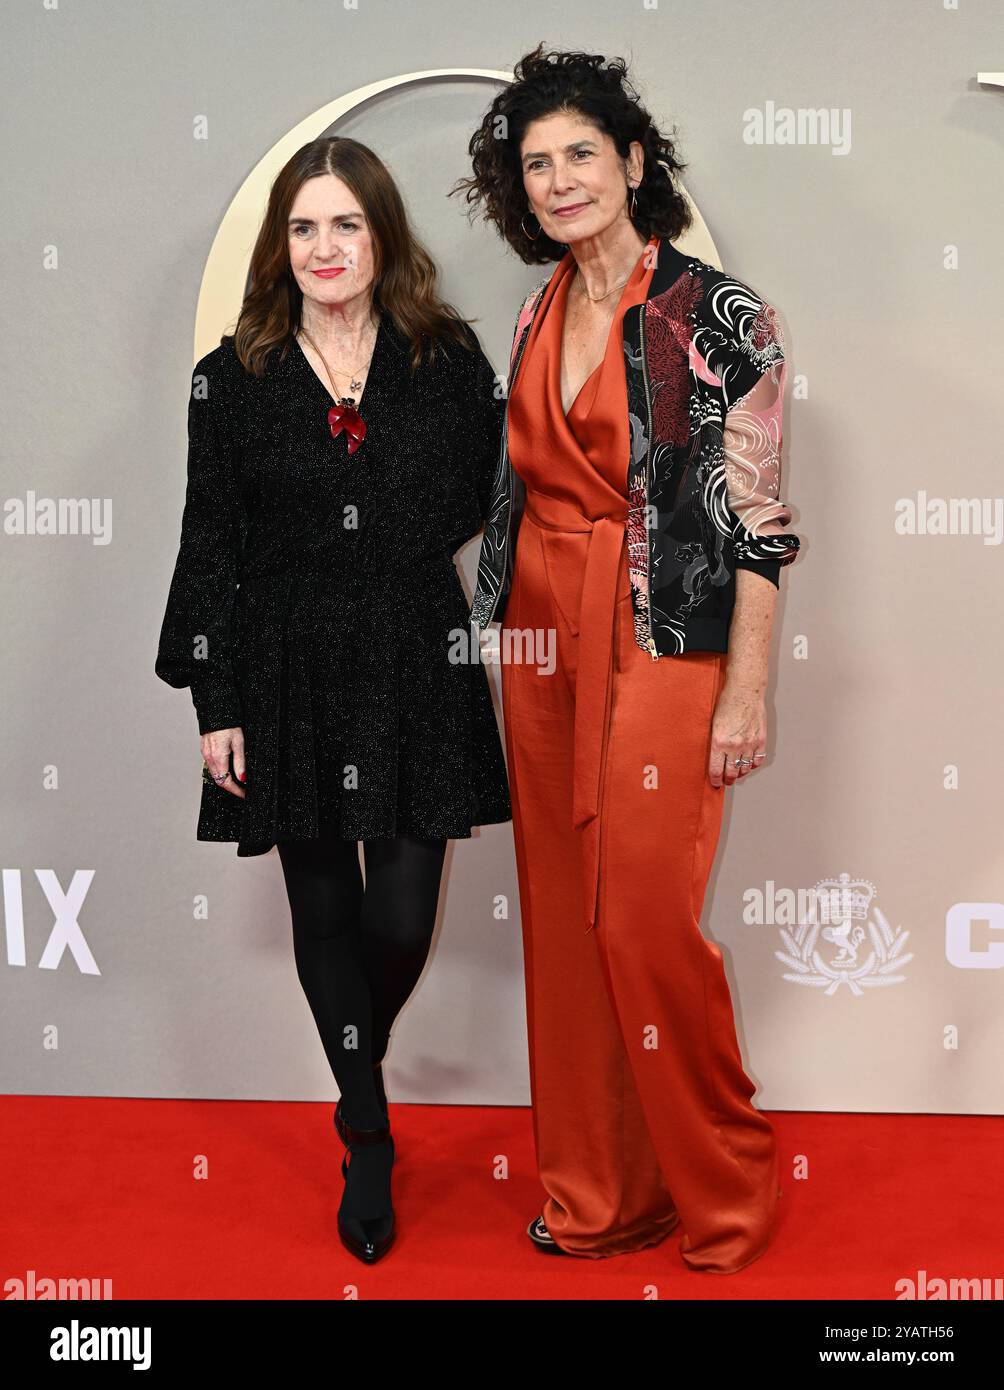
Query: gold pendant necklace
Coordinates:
[354,385]
[343,417]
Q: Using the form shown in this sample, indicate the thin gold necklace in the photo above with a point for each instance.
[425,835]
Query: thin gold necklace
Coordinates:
[596,300]
[354,385]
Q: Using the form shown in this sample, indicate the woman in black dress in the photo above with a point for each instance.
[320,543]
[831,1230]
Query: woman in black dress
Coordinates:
[342,446]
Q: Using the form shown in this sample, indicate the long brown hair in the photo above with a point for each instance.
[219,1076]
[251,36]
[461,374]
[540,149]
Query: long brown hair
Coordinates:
[405,275]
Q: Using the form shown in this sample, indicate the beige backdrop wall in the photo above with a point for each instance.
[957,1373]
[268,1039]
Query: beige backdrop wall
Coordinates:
[847,162]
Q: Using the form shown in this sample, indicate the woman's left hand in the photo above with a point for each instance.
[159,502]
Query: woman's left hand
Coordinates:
[738,730]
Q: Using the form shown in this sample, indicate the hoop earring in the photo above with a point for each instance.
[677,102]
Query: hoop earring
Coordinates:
[633,201]
[525,232]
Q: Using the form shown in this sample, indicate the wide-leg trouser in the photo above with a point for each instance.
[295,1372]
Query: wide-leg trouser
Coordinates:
[641,1107]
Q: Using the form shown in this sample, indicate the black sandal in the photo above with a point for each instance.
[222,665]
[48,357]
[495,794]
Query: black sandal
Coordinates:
[542,1237]
[368,1238]
[381,1097]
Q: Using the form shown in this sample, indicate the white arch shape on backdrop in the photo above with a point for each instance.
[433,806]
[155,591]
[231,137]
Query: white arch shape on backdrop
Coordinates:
[225,276]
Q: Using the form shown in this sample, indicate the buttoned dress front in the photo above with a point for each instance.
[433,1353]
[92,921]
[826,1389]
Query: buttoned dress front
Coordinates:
[642,1109]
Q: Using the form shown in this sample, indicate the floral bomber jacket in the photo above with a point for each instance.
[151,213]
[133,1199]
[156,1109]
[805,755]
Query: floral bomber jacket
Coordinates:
[705,366]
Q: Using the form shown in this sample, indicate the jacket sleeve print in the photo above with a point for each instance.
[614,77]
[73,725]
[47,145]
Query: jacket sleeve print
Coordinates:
[194,648]
[495,557]
[752,443]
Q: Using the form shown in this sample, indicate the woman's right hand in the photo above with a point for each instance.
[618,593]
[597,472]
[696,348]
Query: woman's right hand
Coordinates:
[216,750]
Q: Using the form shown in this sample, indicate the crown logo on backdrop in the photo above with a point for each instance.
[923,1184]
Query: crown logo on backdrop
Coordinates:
[844,898]
[844,941]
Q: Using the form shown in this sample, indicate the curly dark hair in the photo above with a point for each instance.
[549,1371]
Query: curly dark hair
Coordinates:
[586,83]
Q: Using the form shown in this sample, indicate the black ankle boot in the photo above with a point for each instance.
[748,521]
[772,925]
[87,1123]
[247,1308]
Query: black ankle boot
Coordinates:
[370,1237]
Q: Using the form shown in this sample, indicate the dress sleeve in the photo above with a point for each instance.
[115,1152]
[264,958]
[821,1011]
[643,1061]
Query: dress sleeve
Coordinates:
[752,443]
[484,426]
[195,641]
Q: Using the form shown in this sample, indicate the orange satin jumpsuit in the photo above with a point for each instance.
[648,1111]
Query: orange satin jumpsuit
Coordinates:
[642,1110]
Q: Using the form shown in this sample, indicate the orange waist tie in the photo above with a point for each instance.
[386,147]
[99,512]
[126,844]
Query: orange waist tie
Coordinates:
[594,676]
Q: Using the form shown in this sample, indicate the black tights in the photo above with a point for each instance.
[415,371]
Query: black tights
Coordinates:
[359,953]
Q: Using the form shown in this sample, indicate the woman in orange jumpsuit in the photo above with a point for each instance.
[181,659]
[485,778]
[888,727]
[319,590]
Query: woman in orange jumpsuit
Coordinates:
[642,1109]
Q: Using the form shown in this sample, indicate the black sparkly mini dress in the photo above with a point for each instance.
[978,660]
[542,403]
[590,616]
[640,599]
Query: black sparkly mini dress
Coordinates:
[315,603]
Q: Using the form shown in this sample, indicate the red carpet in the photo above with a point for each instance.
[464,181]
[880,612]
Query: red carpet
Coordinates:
[106,1189]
